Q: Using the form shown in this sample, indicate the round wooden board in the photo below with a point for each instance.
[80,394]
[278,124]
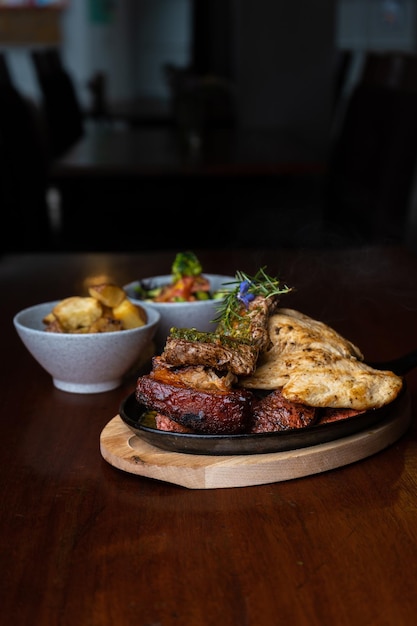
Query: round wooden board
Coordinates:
[120,447]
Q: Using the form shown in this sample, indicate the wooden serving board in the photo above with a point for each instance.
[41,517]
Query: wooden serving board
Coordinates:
[124,450]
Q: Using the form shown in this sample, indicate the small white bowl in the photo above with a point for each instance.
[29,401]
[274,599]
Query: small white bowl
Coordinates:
[84,363]
[199,314]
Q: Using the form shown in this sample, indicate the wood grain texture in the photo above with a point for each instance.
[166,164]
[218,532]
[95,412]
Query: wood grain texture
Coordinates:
[87,543]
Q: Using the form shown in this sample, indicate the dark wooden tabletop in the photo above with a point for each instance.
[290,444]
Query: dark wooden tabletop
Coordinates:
[86,543]
[166,150]
[133,112]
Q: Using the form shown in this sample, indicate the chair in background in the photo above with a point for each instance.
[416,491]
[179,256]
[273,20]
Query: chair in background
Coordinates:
[62,110]
[23,165]
[343,65]
[5,75]
[373,157]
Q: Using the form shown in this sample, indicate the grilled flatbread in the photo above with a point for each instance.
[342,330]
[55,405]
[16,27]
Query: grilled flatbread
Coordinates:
[312,364]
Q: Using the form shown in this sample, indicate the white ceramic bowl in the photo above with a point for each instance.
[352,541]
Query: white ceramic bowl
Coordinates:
[199,314]
[84,363]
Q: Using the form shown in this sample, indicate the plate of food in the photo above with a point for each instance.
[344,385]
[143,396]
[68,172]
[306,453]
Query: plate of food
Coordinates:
[269,379]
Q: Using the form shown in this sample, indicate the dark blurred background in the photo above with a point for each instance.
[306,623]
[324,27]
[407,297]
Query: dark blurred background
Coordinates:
[134,124]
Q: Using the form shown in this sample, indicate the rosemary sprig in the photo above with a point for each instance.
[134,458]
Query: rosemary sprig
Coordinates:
[246,289]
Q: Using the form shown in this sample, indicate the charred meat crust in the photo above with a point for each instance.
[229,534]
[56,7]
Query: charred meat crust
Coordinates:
[209,412]
[328,415]
[274,412]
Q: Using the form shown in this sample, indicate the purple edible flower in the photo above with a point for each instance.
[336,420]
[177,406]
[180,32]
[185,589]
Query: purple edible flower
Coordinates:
[243,295]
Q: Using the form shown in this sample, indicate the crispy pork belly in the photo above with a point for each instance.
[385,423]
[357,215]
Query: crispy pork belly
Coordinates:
[191,347]
[210,412]
[197,376]
[273,413]
[312,364]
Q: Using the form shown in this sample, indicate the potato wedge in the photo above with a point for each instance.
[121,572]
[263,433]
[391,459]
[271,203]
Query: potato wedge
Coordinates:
[109,295]
[130,315]
[77,313]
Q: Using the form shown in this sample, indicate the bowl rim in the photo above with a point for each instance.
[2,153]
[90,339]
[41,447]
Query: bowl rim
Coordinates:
[41,331]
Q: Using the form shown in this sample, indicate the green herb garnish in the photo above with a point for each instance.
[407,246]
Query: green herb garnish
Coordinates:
[185,264]
[246,289]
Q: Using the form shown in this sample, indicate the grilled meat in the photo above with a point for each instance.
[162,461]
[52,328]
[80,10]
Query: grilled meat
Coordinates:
[202,411]
[191,347]
[273,413]
[328,415]
[251,322]
[235,346]
[313,365]
[197,376]
[202,382]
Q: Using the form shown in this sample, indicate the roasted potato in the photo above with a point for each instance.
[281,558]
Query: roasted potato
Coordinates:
[77,313]
[130,315]
[106,309]
[108,294]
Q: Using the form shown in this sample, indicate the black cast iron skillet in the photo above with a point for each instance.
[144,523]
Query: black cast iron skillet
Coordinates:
[132,413]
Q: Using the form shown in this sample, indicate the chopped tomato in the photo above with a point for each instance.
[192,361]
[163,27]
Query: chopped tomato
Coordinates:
[200,284]
[183,290]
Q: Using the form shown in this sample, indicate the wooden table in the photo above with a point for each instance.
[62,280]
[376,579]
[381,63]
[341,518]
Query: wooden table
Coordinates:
[109,151]
[132,112]
[86,543]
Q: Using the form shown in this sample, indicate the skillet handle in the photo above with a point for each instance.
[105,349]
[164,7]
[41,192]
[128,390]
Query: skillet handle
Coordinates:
[400,366]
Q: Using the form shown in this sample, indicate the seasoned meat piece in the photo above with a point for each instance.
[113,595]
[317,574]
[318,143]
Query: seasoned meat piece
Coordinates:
[197,376]
[274,413]
[190,347]
[208,412]
[235,346]
[251,322]
[163,422]
[329,415]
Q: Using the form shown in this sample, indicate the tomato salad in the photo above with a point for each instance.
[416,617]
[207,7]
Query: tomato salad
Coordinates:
[188,283]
